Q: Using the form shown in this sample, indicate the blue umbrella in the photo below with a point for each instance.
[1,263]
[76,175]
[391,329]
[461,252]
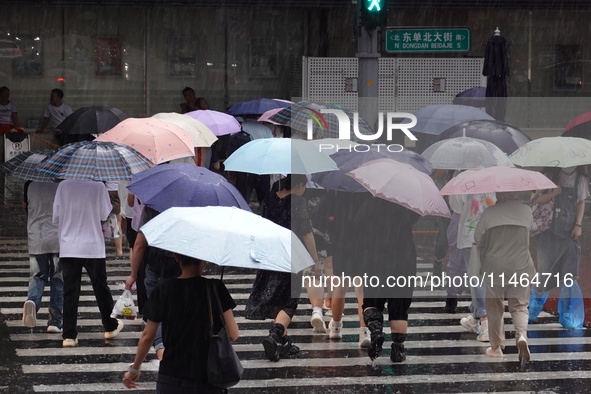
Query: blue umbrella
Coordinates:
[257,130]
[350,160]
[184,185]
[255,107]
[279,156]
[435,119]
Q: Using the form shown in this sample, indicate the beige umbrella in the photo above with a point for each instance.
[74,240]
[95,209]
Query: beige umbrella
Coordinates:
[201,134]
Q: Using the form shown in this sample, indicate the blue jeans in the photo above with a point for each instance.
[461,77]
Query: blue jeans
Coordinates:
[46,269]
[478,294]
[151,280]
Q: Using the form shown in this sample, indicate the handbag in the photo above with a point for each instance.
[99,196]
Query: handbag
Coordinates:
[124,308]
[223,365]
[542,214]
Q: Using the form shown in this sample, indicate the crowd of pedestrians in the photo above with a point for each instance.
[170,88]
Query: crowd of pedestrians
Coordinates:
[352,234]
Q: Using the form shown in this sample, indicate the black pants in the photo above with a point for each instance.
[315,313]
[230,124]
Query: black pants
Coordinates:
[397,307]
[97,271]
[167,384]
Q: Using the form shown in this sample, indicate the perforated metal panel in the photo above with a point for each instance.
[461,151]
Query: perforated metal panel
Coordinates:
[415,77]
[405,84]
[327,80]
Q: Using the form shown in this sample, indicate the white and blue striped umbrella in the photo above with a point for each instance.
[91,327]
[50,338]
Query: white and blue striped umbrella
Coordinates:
[24,166]
[95,161]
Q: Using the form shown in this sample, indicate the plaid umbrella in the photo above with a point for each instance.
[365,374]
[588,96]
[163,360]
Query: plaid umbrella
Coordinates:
[297,115]
[24,165]
[95,161]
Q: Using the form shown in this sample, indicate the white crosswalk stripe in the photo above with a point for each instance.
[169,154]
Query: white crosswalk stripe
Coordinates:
[441,355]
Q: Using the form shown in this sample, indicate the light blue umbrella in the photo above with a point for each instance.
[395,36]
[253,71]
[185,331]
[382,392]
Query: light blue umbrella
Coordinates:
[435,119]
[257,130]
[228,236]
[279,156]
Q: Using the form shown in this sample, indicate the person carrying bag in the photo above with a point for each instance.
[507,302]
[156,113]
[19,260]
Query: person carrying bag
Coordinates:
[183,307]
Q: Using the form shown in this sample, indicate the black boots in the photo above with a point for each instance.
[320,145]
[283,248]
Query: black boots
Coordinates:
[398,354]
[374,320]
[274,342]
[277,345]
[451,305]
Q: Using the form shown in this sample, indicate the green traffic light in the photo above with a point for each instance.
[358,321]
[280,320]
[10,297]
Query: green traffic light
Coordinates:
[374,5]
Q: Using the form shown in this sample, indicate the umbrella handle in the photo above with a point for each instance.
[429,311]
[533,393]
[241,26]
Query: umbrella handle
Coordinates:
[222,275]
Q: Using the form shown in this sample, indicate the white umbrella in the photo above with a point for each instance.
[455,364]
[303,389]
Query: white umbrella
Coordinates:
[464,153]
[202,135]
[553,152]
[228,236]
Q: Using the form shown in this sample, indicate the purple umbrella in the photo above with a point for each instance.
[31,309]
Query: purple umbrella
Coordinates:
[184,185]
[473,96]
[256,107]
[218,122]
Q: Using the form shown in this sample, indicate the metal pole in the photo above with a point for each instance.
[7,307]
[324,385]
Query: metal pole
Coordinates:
[367,74]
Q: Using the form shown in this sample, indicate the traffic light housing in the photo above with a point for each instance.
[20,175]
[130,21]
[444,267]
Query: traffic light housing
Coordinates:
[373,13]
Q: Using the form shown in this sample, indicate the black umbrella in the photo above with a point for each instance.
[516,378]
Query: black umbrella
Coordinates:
[86,121]
[505,136]
[496,69]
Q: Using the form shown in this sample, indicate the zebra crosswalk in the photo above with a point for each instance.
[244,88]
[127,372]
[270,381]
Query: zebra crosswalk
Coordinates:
[441,355]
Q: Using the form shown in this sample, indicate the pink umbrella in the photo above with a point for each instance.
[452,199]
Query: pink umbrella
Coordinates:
[158,140]
[266,115]
[401,184]
[497,179]
[218,122]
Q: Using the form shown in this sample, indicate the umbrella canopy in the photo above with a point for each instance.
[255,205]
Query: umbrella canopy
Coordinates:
[157,140]
[256,129]
[218,122]
[184,185]
[297,115]
[496,69]
[24,166]
[95,161]
[579,126]
[473,96]
[435,119]
[228,236]
[507,137]
[553,152]
[464,153]
[92,120]
[349,160]
[401,184]
[255,107]
[202,135]
[496,180]
[279,156]
[266,117]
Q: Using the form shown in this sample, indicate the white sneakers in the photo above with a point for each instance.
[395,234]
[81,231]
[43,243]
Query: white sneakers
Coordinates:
[471,324]
[54,329]
[497,352]
[483,336]
[318,323]
[115,332]
[334,329]
[69,342]
[364,338]
[29,314]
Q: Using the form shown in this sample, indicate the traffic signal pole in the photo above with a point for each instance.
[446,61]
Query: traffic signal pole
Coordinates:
[368,55]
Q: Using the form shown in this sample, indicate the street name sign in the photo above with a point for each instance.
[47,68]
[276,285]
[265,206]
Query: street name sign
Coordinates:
[411,40]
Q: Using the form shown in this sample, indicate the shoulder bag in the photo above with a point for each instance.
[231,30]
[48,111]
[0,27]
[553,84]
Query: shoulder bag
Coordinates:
[223,365]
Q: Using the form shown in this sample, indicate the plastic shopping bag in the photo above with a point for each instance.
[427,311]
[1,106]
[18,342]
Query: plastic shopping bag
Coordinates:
[571,309]
[125,307]
[536,302]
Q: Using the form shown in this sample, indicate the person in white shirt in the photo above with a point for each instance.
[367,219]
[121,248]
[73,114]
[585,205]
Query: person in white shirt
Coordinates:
[56,111]
[78,209]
